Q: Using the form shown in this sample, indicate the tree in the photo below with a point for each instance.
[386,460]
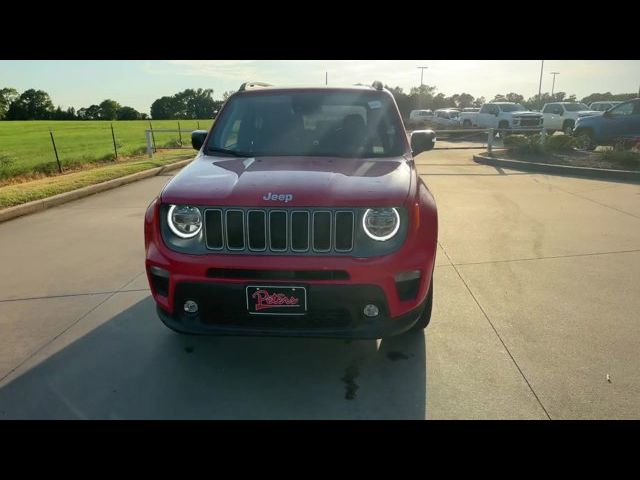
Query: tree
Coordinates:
[608,96]
[405,102]
[189,103]
[31,105]
[514,97]
[478,102]
[109,109]
[7,96]
[227,94]
[164,108]
[464,100]
[128,113]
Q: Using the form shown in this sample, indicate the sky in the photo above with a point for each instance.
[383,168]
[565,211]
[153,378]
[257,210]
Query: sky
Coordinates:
[137,83]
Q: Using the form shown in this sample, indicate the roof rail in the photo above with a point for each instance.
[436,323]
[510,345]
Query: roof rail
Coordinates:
[248,85]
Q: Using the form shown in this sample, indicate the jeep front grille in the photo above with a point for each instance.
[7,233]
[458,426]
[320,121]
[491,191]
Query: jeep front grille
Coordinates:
[279,230]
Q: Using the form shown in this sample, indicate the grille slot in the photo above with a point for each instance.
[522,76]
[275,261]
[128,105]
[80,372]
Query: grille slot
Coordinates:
[344,231]
[235,229]
[213,224]
[280,231]
[300,231]
[322,231]
[257,229]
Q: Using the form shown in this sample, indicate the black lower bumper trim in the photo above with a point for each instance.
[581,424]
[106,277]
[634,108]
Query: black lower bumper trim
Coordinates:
[335,311]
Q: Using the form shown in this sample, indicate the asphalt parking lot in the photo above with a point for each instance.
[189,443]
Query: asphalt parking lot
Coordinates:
[536,316]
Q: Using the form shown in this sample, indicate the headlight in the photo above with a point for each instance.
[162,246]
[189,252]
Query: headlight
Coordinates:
[381,223]
[184,221]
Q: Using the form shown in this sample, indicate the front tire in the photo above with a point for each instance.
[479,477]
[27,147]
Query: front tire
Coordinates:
[585,140]
[567,128]
[425,316]
[503,126]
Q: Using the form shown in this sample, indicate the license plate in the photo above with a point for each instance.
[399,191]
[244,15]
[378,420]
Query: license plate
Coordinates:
[276,300]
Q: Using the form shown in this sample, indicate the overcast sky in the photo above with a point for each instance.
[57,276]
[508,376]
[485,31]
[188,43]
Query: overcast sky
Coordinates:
[137,83]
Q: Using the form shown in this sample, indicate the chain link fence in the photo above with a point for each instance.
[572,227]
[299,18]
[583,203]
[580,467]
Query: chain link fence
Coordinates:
[53,147]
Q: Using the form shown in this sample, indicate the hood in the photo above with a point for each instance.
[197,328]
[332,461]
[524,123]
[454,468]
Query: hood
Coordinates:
[291,181]
[526,114]
[587,113]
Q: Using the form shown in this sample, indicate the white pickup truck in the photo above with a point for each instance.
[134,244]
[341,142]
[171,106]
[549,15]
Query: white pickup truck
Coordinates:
[563,115]
[507,115]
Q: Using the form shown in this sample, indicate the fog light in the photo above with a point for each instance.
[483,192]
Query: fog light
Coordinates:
[371,310]
[190,306]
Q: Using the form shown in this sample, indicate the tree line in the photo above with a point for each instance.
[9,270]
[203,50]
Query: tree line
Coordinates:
[37,105]
[199,104]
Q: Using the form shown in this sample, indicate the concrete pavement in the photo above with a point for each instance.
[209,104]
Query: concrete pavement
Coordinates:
[536,301]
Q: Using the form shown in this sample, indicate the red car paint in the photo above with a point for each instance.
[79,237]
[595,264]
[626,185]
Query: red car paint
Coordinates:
[312,181]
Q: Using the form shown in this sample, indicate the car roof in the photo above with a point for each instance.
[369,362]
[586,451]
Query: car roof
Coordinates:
[292,88]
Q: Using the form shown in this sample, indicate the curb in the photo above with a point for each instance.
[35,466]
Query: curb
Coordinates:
[39,205]
[584,172]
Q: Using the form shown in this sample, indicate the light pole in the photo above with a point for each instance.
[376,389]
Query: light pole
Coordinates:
[540,84]
[553,85]
[422,69]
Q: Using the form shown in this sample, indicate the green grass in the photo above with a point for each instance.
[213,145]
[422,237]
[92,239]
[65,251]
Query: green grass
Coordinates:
[25,146]
[19,193]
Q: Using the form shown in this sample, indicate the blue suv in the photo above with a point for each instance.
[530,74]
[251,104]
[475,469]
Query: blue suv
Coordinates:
[620,121]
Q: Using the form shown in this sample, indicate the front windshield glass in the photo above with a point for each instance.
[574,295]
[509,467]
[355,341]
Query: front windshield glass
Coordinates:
[575,107]
[320,123]
[512,108]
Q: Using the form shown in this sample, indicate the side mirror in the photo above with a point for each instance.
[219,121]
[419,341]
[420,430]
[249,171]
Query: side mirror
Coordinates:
[495,114]
[561,113]
[422,140]
[197,138]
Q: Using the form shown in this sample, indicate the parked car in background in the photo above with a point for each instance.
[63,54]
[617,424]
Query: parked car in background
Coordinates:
[446,117]
[563,115]
[420,118]
[508,115]
[468,117]
[603,106]
[622,121]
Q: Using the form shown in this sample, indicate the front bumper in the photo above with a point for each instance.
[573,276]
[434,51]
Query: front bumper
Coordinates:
[334,311]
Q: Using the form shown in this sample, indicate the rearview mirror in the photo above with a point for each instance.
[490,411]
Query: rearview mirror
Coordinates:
[197,138]
[422,140]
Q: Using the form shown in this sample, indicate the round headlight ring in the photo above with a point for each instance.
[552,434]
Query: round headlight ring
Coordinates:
[179,232]
[384,237]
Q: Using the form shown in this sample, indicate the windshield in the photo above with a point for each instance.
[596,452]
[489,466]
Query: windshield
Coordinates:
[336,124]
[575,107]
[512,108]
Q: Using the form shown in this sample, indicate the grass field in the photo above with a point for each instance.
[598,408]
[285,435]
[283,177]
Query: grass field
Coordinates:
[25,146]
[19,193]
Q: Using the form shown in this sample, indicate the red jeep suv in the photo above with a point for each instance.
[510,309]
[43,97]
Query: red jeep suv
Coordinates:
[302,214]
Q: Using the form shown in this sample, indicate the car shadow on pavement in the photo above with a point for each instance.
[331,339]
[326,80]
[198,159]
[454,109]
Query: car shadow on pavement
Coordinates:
[132,367]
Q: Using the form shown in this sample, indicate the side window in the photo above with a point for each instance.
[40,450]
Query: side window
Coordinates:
[636,108]
[494,109]
[622,110]
[558,109]
[484,109]
[549,108]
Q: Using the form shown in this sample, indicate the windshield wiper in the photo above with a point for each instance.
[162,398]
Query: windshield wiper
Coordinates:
[229,152]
